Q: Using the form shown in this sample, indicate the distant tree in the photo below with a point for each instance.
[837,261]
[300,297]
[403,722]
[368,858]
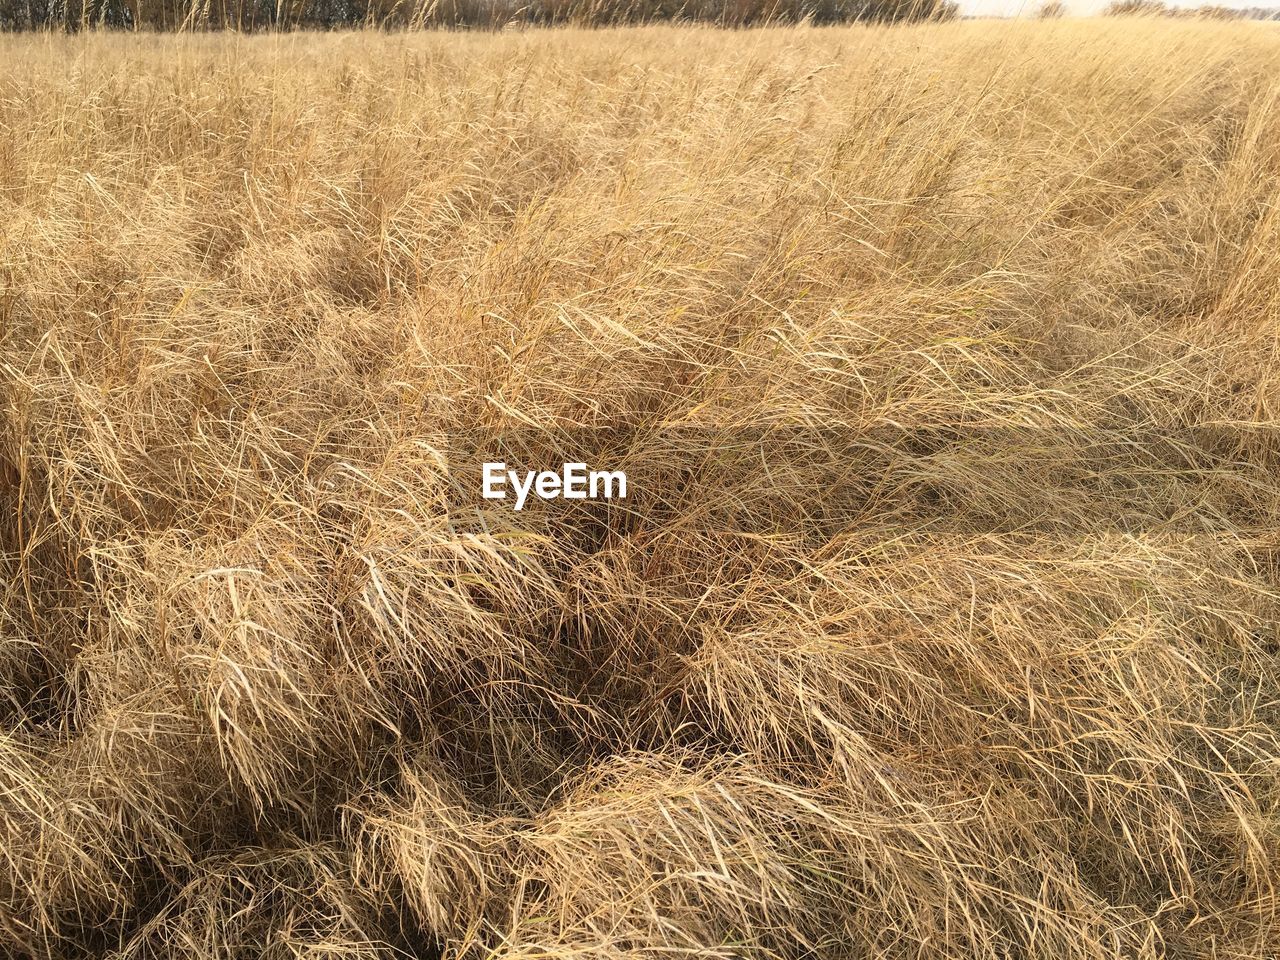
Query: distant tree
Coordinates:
[1219,13]
[1135,8]
[1051,10]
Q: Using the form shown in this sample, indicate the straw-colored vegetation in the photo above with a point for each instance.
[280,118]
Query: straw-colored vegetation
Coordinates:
[940,621]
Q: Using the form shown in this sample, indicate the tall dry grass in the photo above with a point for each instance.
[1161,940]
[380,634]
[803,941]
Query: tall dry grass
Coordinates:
[941,621]
[253,15]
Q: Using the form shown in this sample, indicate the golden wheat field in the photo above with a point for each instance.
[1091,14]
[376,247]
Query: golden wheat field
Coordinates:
[939,620]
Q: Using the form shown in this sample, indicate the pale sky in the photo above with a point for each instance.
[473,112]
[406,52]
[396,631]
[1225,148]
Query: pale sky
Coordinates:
[1080,7]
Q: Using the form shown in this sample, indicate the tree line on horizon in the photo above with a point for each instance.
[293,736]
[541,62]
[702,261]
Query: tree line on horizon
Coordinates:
[254,15]
[1157,8]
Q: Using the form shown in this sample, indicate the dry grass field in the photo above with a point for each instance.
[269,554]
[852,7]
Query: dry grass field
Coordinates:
[940,619]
